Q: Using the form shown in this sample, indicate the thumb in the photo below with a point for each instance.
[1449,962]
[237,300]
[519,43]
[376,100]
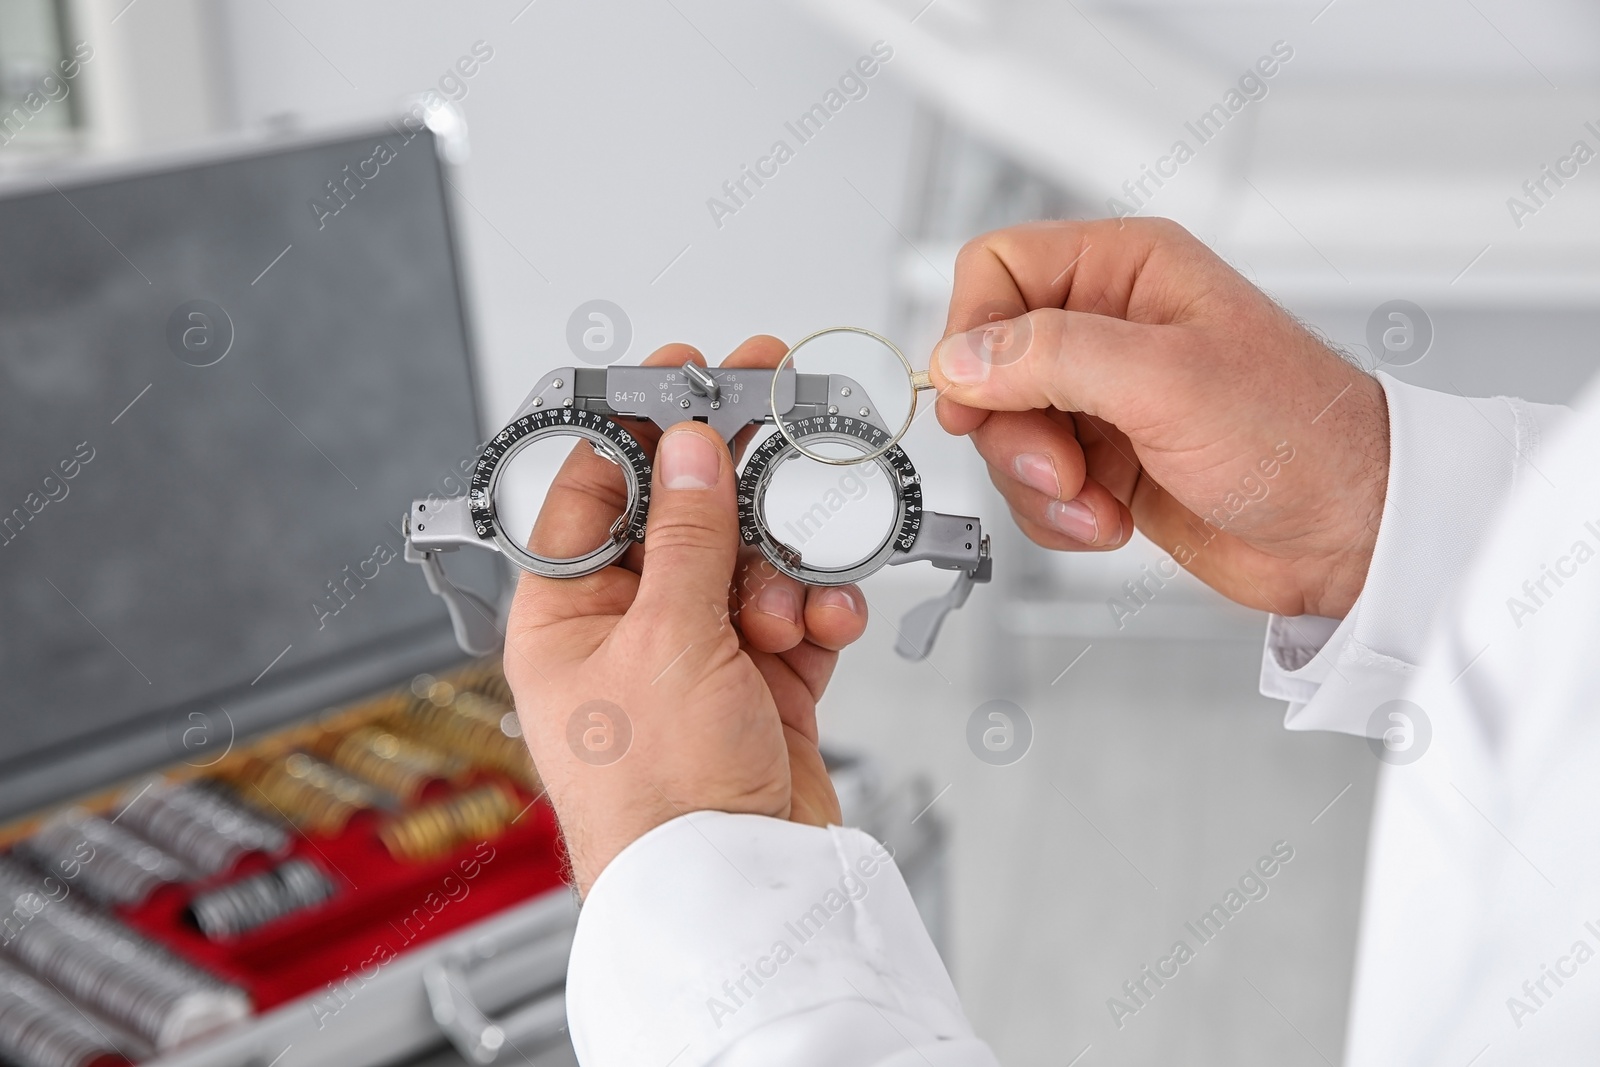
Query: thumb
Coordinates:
[692,540]
[1050,358]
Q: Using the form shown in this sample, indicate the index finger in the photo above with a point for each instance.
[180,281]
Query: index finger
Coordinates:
[1071,266]
[1003,275]
[762,350]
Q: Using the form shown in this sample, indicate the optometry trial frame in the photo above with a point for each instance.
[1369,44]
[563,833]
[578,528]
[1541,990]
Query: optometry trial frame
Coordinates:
[594,403]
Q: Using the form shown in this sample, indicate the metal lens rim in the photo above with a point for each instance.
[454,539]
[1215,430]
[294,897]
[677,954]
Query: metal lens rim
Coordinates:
[573,566]
[894,439]
[869,564]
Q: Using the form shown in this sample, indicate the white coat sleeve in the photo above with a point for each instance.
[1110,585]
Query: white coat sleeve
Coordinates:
[1482,870]
[1453,463]
[740,940]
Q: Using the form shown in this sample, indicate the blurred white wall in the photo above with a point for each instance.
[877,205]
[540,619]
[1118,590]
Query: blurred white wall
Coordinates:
[598,132]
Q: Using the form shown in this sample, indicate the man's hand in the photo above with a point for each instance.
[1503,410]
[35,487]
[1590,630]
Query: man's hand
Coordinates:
[639,697]
[1117,374]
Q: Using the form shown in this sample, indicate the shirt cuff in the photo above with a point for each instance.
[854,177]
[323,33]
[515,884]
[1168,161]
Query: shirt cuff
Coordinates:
[715,928]
[1452,462]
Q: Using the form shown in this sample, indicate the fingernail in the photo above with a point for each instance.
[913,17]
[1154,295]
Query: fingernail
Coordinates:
[1073,519]
[961,357]
[780,599]
[688,461]
[838,598]
[1038,471]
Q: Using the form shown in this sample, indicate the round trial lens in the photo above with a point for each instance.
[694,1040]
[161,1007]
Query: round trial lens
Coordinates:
[870,380]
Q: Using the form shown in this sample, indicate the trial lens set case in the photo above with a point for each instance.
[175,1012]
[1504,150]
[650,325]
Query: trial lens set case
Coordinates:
[241,746]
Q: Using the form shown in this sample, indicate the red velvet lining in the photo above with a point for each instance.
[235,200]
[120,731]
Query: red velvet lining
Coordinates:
[383,906]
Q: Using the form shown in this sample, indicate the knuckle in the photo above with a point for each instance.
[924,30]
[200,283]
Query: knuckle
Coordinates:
[973,249]
[678,533]
[1046,355]
[1166,229]
[992,244]
[1049,328]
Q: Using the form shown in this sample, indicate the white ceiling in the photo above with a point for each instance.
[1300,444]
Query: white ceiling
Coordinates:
[1381,159]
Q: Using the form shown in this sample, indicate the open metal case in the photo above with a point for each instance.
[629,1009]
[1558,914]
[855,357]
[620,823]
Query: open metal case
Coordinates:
[222,379]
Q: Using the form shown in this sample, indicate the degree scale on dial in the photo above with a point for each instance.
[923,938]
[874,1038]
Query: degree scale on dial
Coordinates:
[777,449]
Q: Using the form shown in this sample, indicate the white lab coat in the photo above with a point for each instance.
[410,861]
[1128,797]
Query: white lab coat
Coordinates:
[740,940]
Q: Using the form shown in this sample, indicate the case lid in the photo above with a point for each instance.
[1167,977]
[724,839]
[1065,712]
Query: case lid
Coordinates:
[222,382]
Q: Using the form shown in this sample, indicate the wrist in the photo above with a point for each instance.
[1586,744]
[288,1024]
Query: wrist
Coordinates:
[1356,510]
[598,820]
[594,838]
